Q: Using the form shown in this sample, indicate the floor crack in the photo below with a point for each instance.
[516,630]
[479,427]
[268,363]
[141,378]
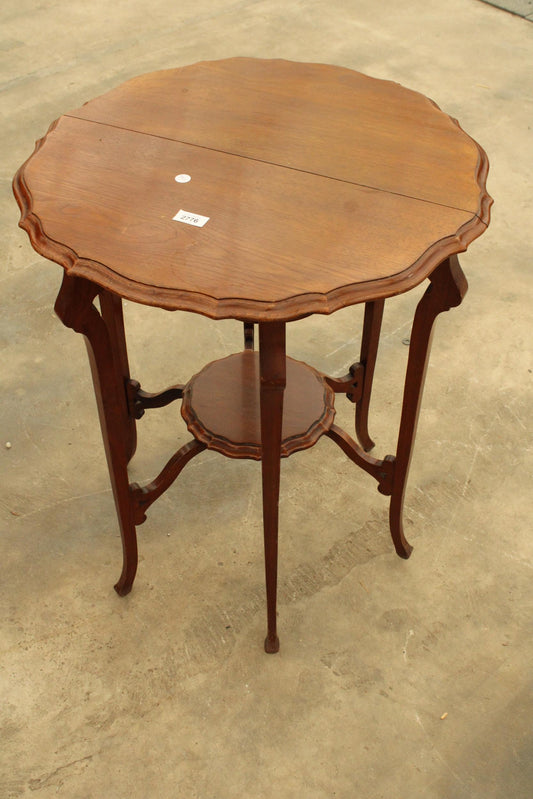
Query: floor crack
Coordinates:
[42,782]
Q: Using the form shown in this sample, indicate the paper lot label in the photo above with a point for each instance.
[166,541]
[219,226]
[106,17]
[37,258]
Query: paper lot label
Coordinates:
[191,219]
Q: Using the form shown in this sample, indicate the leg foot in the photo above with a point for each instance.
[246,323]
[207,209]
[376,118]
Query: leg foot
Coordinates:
[401,544]
[271,644]
[125,583]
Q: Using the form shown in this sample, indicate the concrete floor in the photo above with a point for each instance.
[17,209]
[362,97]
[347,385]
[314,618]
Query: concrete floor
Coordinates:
[168,693]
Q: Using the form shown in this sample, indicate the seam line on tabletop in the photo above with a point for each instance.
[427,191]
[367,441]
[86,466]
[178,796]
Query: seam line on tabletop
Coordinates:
[280,166]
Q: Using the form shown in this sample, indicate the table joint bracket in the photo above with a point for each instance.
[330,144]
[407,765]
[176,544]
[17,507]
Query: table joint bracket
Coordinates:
[139,400]
[143,496]
[380,470]
[351,384]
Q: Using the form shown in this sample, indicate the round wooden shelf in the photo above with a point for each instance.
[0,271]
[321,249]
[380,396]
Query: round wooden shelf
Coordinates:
[221,406]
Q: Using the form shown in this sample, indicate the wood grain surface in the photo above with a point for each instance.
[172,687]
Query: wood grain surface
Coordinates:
[221,406]
[323,188]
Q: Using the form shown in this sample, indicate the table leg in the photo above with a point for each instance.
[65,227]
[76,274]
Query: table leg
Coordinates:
[74,306]
[369,351]
[248,336]
[111,308]
[273,379]
[447,288]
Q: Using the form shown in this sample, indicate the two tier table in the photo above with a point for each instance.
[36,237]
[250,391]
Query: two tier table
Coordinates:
[262,191]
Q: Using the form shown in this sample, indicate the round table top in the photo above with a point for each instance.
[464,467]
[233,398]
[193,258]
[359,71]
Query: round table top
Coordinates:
[255,189]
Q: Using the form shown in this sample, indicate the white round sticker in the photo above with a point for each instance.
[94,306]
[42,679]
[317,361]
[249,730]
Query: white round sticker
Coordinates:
[182,178]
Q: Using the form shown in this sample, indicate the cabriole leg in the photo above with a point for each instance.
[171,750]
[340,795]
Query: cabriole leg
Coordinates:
[74,306]
[447,288]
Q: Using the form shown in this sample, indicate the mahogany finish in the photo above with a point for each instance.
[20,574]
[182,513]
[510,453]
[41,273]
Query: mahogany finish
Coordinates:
[369,351]
[322,187]
[74,306]
[314,118]
[273,379]
[232,426]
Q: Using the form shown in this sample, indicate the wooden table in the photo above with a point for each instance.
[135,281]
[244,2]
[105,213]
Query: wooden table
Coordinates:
[263,191]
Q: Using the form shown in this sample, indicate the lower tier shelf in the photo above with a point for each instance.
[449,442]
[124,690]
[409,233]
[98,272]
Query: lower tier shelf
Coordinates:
[221,406]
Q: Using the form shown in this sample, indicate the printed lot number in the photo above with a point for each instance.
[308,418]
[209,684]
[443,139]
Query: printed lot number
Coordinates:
[191,219]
